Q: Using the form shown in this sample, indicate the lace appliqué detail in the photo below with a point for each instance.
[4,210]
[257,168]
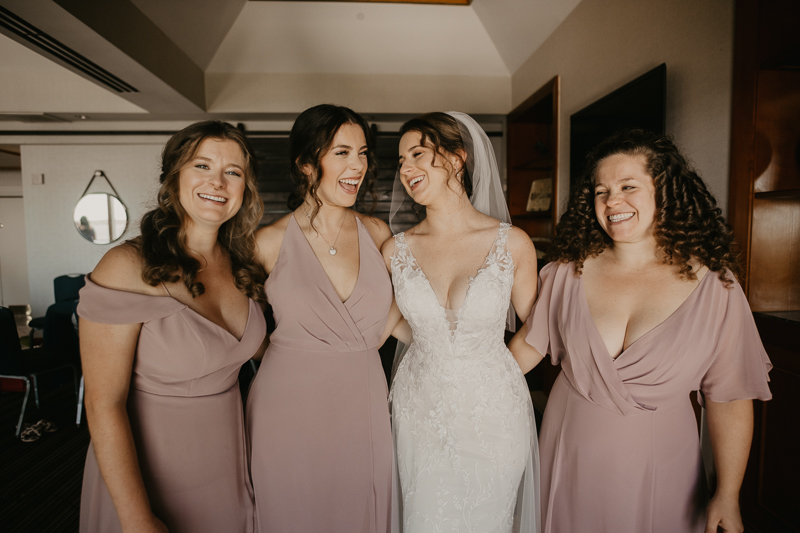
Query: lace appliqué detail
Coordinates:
[460,406]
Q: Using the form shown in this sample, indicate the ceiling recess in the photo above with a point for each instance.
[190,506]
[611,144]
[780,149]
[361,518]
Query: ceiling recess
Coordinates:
[52,47]
[447,2]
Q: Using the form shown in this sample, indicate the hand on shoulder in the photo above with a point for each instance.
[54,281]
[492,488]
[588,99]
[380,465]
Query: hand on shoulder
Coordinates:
[269,240]
[387,251]
[378,229]
[121,269]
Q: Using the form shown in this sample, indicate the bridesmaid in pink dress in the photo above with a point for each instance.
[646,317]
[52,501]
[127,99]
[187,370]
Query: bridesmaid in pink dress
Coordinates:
[640,307]
[166,321]
[317,413]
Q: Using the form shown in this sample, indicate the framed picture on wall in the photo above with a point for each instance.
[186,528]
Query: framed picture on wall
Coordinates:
[540,196]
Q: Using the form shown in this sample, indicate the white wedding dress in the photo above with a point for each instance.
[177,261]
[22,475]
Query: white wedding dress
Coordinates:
[465,437]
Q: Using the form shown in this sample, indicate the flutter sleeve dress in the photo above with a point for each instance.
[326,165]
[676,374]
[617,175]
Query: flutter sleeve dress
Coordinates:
[619,444]
[185,411]
[317,413]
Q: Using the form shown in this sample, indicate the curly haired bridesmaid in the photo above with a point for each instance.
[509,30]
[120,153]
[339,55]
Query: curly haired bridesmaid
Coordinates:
[640,307]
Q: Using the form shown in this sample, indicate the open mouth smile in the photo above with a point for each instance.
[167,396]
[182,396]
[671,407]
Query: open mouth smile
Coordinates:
[349,185]
[621,217]
[412,184]
[212,198]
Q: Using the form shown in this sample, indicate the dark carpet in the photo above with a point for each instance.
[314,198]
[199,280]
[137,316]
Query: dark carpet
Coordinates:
[40,482]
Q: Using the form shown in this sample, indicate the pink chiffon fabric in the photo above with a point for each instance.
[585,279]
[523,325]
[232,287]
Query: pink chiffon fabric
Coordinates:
[185,411]
[317,413]
[619,443]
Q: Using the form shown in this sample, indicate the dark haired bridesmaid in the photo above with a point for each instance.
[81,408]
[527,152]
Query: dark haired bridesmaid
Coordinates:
[317,415]
[167,319]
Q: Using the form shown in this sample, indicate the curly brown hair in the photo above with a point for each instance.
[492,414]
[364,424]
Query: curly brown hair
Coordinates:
[311,136]
[688,224]
[162,243]
[444,134]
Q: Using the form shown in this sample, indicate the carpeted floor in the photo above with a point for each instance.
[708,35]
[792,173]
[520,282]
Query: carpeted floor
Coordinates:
[40,482]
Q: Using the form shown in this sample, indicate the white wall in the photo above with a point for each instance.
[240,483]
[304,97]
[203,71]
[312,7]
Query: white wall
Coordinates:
[604,44]
[13,253]
[10,183]
[54,245]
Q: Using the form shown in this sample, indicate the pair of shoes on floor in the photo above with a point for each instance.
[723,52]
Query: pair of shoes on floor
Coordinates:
[33,432]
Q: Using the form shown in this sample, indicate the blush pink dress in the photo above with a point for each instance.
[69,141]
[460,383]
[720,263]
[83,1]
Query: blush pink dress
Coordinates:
[317,413]
[619,445]
[185,411]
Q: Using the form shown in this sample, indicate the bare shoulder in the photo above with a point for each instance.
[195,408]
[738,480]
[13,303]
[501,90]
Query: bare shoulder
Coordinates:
[269,240]
[377,228]
[520,244]
[387,249]
[121,269]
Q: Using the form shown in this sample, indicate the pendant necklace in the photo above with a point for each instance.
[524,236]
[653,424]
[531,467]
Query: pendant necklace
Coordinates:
[332,250]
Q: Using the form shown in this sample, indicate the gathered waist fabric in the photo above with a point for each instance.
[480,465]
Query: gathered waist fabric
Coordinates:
[326,351]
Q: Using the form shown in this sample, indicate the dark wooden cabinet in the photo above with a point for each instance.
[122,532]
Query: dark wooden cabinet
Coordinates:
[532,169]
[533,158]
[764,210]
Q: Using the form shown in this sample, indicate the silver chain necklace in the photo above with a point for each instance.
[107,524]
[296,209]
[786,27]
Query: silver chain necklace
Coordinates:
[332,249]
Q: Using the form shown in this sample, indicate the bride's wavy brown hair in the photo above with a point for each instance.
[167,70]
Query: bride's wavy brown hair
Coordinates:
[162,243]
[688,224]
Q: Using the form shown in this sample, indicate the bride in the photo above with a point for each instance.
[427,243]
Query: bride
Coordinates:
[465,437]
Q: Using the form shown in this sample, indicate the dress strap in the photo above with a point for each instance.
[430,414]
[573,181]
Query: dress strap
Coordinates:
[402,257]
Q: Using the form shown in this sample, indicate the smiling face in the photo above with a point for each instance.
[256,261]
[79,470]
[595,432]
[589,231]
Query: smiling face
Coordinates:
[424,177]
[624,198]
[212,183]
[343,167]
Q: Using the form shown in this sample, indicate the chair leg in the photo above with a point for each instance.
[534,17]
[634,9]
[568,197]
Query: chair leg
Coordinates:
[35,390]
[80,403]
[75,379]
[24,405]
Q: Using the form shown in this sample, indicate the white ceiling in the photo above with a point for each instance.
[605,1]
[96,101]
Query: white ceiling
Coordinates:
[519,27]
[486,38]
[196,26]
[490,38]
[358,38]
[31,83]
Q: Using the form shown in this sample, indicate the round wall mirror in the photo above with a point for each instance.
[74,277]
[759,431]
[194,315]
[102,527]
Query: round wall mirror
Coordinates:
[101,218]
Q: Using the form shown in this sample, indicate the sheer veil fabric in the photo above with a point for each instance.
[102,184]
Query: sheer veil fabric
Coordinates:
[483,369]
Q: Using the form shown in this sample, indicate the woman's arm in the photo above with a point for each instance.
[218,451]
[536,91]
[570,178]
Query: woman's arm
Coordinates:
[523,293]
[107,355]
[396,325]
[730,426]
[526,355]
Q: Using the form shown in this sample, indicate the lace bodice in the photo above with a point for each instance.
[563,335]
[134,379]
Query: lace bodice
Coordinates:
[462,417]
[473,328]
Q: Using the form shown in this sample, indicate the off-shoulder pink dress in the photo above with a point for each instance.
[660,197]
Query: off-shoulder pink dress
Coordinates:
[619,445]
[185,411]
[317,413]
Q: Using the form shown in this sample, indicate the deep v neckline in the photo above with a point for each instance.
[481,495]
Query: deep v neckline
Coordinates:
[660,325]
[319,263]
[472,279]
[250,303]
[226,330]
